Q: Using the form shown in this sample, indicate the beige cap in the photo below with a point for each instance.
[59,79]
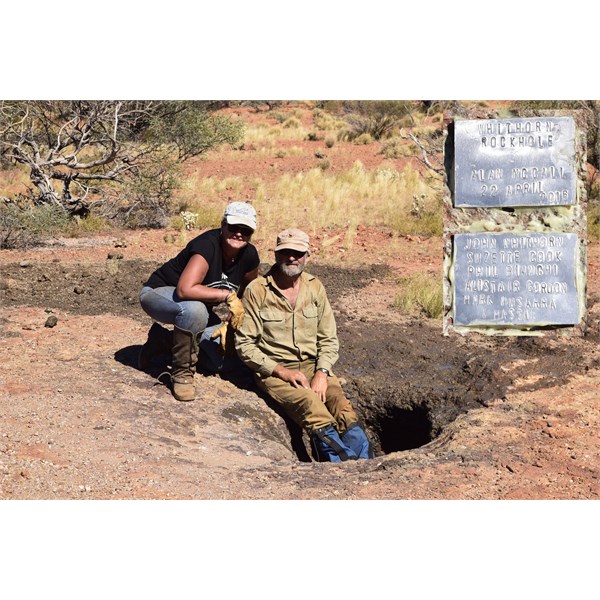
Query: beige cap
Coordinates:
[293,239]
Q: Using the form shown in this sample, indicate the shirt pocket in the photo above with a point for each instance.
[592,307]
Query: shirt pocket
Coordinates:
[273,322]
[310,316]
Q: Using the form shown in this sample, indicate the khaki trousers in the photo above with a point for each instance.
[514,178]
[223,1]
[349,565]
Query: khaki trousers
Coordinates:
[304,406]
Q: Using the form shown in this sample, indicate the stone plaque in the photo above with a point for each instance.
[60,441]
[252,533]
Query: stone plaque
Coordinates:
[515,279]
[515,162]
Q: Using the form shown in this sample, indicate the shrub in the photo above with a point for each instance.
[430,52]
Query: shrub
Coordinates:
[327,122]
[330,141]
[24,227]
[421,293]
[398,148]
[364,138]
[378,118]
[279,117]
[92,223]
[291,122]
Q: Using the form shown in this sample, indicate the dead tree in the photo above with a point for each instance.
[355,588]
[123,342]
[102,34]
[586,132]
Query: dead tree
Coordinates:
[73,147]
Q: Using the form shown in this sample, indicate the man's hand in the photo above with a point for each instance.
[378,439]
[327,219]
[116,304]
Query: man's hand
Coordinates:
[296,378]
[237,310]
[319,385]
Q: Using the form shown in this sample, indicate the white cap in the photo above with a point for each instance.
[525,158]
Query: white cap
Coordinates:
[240,213]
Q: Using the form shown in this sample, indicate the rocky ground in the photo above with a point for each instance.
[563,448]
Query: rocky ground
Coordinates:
[451,417]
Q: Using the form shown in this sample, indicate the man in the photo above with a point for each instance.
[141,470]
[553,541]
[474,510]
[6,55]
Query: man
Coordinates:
[288,338]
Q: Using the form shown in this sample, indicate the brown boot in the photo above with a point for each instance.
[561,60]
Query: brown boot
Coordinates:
[185,357]
[160,341]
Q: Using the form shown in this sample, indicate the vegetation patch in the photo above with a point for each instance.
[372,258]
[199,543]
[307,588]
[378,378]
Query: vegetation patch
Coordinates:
[25,227]
[421,293]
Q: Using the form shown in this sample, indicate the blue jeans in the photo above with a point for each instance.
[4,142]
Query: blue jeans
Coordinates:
[164,306]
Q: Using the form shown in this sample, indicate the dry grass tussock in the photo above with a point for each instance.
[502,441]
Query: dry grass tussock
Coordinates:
[267,136]
[421,293]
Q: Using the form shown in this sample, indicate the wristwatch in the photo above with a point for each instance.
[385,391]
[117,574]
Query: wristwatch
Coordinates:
[324,371]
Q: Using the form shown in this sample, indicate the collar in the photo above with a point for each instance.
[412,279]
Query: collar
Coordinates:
[270,282]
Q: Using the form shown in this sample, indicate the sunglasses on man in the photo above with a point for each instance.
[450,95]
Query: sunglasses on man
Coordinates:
[287,252]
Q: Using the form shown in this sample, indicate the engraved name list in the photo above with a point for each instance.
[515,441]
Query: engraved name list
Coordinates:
[515,279]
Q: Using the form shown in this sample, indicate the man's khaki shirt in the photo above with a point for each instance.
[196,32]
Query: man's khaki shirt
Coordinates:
[274,333]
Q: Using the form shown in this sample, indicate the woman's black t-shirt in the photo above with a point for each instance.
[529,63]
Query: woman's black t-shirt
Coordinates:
[208,245]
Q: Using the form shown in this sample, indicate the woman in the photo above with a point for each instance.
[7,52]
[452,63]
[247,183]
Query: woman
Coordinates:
[214,267]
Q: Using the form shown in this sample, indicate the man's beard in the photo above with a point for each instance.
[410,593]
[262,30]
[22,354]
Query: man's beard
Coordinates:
[291,270]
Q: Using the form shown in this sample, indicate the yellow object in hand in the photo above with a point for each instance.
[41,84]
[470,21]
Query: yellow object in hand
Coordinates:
[221,331]
[237,310]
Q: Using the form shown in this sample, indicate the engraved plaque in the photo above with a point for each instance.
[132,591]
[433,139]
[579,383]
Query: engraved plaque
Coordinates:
[515,279]
[515,162]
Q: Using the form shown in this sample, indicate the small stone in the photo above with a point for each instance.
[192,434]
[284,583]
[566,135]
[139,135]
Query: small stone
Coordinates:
[25,474]
[24,263]
[78,289]
[51,321]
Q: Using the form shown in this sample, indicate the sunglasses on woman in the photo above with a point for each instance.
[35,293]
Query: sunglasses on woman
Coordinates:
[245,231]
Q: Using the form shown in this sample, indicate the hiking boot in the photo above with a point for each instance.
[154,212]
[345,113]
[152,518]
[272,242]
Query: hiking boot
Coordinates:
[160,341]
[184,358]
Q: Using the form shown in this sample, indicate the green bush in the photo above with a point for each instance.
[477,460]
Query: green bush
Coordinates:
[24,227]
